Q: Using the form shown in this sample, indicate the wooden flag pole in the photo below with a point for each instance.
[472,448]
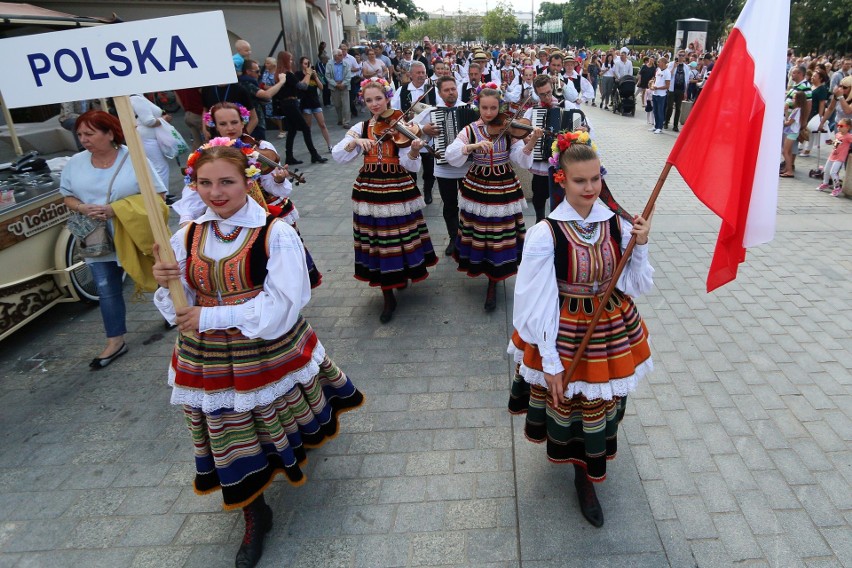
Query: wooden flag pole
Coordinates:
[152,200]
[581,349]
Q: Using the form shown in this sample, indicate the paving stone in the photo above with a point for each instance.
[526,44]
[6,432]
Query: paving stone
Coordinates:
[694,518]
[734,533]
[440,548]
[207,529]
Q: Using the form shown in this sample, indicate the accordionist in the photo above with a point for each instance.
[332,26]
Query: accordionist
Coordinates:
[542,185]
[449,177]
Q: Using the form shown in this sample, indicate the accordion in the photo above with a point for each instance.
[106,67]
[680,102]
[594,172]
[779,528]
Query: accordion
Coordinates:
[554,120]
[452,121]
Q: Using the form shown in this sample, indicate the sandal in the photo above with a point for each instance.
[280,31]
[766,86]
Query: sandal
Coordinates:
[786,175]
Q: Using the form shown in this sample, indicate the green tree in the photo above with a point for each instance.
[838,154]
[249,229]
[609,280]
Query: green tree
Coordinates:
[398,9]
[581,23]
[468,27]
[548,11]
[821,25]
[499,24]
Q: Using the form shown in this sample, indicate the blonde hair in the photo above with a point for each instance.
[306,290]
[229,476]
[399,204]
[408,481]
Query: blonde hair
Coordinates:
[227,153]
[576,153]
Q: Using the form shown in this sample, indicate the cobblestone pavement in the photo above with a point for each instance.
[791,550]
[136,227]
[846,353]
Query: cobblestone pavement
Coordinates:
[735,452]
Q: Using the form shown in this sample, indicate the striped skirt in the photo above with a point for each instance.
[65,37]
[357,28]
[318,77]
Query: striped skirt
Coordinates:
[491,223]
[392,243]
[240,453]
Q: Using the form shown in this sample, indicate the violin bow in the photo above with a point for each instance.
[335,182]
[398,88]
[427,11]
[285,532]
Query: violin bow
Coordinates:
[508,125]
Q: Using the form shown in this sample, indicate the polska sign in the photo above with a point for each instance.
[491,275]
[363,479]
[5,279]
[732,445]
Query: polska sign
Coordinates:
[118,59]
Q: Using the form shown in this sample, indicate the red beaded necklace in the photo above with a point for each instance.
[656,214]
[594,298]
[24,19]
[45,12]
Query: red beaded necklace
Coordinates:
[225,237]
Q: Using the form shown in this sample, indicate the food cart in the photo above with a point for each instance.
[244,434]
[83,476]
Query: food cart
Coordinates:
[40,260]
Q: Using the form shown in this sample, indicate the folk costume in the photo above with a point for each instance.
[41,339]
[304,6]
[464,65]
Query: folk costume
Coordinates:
[392,243]
[491,204]
[568,263]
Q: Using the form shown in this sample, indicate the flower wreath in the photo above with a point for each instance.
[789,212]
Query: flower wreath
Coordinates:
[252,171]
[245,115]
[475,98]
[562,143]
[387,89]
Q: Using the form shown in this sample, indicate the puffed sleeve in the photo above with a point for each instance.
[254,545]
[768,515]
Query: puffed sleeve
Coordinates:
[190,207]
[286,290]
[339,152]
[283,189]
[162,297]
[638,275]
[518,156]
[588,91]
[536,312]
[412,165]
[454,154]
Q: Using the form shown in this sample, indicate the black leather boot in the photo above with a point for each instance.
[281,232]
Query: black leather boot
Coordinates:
[589,504]
[390,306]
[491,296]
[258,517]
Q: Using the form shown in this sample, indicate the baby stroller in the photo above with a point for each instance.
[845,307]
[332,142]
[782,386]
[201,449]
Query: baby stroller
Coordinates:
[624,96]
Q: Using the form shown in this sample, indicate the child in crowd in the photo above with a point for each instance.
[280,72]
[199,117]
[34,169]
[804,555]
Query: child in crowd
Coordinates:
[791,132]
[842,141]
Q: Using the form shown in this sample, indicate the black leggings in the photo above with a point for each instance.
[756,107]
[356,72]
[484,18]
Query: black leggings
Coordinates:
[294,122]
[541,192]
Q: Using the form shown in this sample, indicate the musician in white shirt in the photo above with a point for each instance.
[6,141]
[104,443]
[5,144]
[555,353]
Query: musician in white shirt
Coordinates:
[402,100]
[575,97]
[521,89]
[540,170]
[449,177]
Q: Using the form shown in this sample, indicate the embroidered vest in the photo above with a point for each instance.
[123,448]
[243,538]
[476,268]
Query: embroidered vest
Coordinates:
[580,264]
[499,156]
[405,97]
[384,153]
[232,280]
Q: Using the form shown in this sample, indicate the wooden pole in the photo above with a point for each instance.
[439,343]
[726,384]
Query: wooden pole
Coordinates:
[581,349]
[16,144]
[146,187]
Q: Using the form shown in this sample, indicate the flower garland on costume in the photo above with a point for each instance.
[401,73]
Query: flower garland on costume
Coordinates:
[373,81]
[562,143]
[245,115]
[252,171]
[475,98]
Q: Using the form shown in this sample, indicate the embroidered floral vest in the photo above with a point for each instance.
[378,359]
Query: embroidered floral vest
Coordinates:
[579,263]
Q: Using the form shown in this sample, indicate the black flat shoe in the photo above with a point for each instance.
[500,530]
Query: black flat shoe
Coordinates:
[590,507]
[428,198]
[491,299]
[318,159]
[293,162]
[101,362]
[388,310]
[451,248]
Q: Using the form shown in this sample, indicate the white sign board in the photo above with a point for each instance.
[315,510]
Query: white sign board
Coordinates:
[116,59]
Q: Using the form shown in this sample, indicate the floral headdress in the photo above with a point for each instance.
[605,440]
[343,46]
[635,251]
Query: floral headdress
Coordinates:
[386,87]
[475,97]
[245,115]
[252,171]
[562,143]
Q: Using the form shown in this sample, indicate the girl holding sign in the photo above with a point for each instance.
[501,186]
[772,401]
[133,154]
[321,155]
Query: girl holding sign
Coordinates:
[253,379]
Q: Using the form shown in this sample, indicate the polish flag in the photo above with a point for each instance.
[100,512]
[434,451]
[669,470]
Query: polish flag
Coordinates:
[728,151]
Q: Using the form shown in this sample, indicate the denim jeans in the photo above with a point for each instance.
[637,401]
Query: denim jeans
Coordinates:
[659,103]
[107,277]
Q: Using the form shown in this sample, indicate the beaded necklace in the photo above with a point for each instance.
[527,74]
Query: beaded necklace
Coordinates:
[586,231]
[225,237]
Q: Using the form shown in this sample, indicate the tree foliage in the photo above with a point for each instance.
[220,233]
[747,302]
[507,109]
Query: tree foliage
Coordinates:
[398,9]
[468,27]
[499,24]
[439,29]
[821,25]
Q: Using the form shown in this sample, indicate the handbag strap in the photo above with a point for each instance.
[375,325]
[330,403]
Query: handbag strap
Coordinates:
[114,175]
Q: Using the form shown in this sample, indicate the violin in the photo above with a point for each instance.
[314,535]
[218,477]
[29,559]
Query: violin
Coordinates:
[390,124]
[506,123]
[268,159]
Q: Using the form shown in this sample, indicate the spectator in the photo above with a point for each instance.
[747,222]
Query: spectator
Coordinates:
[646,73]
[322,68]
[819,102]
[267,80]
[792,124]
[607,80]
[662,81]
[339,80]
[677,90]
[594,71]
[622,66]
[243,49]
[193,109]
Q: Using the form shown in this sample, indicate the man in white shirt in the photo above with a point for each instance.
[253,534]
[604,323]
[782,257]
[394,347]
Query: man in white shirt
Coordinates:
[662,81]
[449,177]
[474,79]
[578,89]
[623,66]
[355,81]
[403,98]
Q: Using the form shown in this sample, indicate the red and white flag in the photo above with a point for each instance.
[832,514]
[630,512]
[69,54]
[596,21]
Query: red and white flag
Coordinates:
[728,150]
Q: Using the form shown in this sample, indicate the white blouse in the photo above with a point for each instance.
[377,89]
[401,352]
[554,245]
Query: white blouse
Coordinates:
[286,290]
[536,308]
[456,157]
[342,156]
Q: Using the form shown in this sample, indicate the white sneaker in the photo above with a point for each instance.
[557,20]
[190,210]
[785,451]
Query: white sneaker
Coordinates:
[658,131]
[651,129]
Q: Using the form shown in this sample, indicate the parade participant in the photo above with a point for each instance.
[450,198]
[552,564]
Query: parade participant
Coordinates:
[449,177]
[524,87]
[92,181]
[488,71]
[555,72]
[578,89]
[286,105]
[540,170]
[392,244]
[491,203]
[568,262]
[468,88]
[229,121]
[253,380]
[543,63]
[403,98]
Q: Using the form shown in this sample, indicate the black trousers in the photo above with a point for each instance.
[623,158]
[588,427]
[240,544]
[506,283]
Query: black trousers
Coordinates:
[541,193]
[355,88]
[428,172]
[294,123]
[673,104]
[449,190]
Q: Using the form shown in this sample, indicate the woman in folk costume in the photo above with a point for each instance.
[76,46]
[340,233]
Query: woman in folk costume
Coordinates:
[254,382]
[392,244]
[229,120]
[569,260]
[491,202]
